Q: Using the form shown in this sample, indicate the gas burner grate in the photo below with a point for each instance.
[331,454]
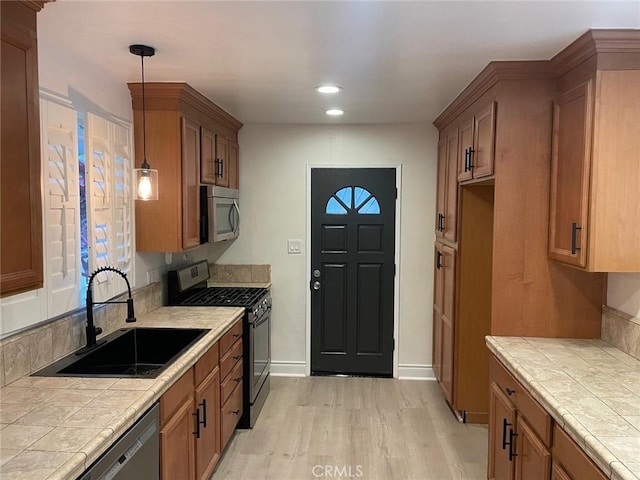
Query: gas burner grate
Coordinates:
[225,296]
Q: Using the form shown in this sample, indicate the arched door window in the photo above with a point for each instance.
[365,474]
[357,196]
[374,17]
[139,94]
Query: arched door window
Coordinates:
[352,198]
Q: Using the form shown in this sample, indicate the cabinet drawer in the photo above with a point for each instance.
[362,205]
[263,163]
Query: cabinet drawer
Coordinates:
[231,413]
[229,360]
[572,458]
[233,379]
[537,417]
[229,338]
[207,363]
[176,396]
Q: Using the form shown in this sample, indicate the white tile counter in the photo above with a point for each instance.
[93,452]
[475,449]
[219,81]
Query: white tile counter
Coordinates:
[55,427]
[590,388]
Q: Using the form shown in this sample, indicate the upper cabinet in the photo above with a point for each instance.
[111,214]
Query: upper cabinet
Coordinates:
[447,196]
[20,164]
[477,144]
[189,140]
[594,221]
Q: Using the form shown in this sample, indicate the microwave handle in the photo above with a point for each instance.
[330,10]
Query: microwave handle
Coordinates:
[236,227]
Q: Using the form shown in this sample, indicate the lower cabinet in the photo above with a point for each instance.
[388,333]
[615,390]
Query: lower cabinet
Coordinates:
[524,443]
[196,417]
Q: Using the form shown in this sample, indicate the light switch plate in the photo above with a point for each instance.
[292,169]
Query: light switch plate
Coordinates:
[294,247]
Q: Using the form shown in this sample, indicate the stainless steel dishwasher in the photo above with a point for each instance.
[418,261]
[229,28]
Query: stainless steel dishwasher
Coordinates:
[134,456]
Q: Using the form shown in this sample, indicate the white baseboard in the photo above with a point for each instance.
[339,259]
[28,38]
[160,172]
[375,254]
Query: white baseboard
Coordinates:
[288,369]
[415,372]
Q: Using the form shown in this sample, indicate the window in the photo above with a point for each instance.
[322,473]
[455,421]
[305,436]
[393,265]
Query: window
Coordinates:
[88,204]
[352,198]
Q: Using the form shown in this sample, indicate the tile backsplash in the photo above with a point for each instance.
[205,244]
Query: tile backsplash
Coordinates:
[240,273]
[621,330]
[29,350]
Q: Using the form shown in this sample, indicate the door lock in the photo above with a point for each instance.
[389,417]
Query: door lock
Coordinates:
[316,285]
[316,274]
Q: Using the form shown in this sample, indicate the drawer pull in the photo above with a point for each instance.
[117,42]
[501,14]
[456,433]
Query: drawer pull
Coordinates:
[203,404]
[512,445]
[237,357]
[197,418]
[509,391]
[505,424]
[237,380]
[236,412]
[236,335]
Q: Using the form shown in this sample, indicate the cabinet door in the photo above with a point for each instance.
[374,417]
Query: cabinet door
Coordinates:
[466,144]
[484,137]
[534,460]
[190,184]
[441,187]
[222,157]
[20,204]
[208,157]
[557,473]
[451,198]
[234,165]
[448,332]
[208,445]
[438,297]
[570,167]
[502,417]
[176,444]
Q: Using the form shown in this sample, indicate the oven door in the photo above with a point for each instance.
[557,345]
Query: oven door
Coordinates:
[259,353]
[224,218]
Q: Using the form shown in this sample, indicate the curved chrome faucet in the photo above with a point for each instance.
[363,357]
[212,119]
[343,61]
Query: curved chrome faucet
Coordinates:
[91,329]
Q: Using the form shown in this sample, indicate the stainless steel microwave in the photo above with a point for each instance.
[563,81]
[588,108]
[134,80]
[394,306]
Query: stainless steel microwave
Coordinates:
[220,213]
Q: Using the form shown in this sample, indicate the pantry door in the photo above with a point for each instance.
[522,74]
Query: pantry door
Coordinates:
[352,270]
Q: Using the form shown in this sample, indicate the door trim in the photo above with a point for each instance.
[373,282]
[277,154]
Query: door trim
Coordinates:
[396,259]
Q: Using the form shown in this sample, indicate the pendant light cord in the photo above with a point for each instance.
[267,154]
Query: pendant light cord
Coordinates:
[144,121]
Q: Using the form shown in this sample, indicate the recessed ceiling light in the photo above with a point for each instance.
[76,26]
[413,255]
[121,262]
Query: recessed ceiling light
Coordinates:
[334,112]
[328,89]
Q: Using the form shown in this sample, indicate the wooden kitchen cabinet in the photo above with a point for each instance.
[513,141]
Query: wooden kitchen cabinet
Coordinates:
[183,128]
[231,377]
[519,430]
[447,187]
[190,426]
[570,460]
[443,306]
[477,144]
[219,160]
[595,162]
[20,164]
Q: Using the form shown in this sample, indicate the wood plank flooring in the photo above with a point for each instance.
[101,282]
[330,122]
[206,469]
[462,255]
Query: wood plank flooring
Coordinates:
[367,428]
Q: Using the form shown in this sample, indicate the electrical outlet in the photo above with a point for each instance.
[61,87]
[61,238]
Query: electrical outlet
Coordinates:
[294,247]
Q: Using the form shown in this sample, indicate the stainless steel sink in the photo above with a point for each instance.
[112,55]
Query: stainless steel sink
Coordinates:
[130,353]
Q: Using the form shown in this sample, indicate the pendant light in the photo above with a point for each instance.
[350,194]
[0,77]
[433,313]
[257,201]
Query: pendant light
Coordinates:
[146,177]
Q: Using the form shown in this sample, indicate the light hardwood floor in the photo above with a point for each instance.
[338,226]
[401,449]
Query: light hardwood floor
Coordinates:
[373,429]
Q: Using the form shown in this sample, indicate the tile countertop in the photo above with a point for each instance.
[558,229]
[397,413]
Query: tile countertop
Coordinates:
[55,427]
[589,387]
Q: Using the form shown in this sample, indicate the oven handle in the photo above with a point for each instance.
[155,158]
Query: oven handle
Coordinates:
[261,320]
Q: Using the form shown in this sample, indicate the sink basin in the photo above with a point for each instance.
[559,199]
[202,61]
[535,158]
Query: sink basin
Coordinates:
[130,353]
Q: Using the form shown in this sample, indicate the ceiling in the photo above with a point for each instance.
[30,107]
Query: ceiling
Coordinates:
[398,62]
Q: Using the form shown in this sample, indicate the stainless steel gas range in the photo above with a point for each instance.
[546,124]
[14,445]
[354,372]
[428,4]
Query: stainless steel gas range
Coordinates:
[188,287]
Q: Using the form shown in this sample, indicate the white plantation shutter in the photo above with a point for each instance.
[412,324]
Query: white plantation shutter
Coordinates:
[61,207]
[122,200]
[109,202]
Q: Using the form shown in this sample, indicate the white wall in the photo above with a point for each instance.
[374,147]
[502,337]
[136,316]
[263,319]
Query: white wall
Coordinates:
[623,292]
[273,169]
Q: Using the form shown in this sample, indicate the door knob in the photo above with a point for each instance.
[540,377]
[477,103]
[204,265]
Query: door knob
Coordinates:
[316,285]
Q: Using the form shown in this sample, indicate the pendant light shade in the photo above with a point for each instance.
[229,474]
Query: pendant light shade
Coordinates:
[146,178]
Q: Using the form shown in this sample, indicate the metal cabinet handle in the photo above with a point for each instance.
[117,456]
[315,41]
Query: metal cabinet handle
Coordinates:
[574,238]
[236,412]
[237,380]
[512,445]
[505,424]
[466,159]
[471,152]
[236,335]
[509,391]
[203,404]
[197,418]
[438,260]
[237,357]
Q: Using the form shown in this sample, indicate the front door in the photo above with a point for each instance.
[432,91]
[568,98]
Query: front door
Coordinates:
[352,270]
